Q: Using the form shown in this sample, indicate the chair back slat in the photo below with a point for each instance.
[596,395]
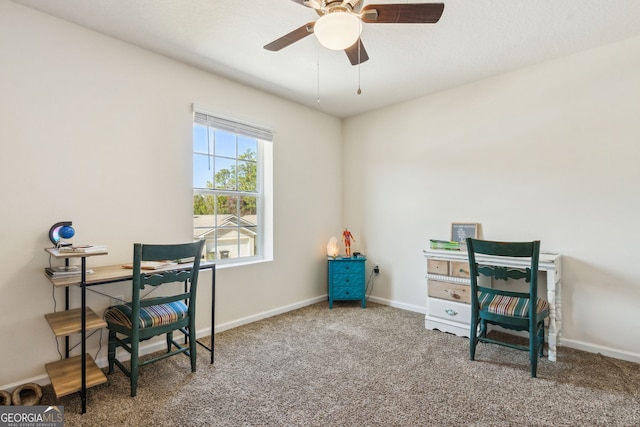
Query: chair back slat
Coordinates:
[504,273]
[157,279]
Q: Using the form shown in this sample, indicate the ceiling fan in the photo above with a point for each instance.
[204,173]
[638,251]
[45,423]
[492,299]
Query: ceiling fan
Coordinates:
[340,23]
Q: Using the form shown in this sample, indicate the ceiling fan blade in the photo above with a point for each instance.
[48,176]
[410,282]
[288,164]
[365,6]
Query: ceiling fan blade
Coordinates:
[314,4]
[404,13]
[352,53]
[290,38]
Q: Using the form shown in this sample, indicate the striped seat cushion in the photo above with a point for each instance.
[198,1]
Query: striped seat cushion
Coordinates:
[153,315]
[508,306]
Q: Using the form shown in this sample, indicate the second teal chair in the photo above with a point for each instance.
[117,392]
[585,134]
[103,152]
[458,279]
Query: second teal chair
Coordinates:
[144,318]
[515,310]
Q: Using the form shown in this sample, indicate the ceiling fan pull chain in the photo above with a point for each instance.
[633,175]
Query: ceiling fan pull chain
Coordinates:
[318,74]
[359,64]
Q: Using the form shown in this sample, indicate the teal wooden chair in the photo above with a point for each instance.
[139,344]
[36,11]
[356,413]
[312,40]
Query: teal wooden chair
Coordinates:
[144,318]
[510,309]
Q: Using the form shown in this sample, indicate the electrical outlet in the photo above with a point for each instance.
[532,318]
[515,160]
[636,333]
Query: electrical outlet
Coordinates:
[117,299]
[376,269]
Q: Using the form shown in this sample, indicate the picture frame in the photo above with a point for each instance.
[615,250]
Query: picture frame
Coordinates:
[461,230]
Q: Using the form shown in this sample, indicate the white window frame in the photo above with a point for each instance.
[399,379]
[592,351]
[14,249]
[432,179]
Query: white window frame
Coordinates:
[264,135]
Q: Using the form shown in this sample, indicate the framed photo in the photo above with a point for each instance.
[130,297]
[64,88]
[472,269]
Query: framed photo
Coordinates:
[461,230]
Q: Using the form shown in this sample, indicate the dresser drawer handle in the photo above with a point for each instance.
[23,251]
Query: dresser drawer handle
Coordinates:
[451,312]
[347,280]
[455,296]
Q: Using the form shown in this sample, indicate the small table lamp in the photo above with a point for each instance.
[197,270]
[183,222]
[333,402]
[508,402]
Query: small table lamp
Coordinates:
[332,247]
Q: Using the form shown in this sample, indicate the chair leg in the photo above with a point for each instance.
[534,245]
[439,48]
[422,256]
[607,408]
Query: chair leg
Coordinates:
[541,339]
[192,347]
[473,338]
[533,349]
[111,354]
[135,344]
[169,339]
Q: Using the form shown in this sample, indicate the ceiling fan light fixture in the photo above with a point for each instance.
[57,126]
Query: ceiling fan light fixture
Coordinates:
[338,30]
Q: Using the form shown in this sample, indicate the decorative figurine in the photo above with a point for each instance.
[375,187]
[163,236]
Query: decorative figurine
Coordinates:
[346,238]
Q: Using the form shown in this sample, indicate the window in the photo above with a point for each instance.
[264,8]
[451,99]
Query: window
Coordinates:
[231,166]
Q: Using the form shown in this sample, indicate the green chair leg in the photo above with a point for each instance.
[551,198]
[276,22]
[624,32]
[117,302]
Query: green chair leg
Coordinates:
[111,354]
[135,346]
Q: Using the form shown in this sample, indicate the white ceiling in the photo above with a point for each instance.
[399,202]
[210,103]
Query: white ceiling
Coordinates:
[473,40]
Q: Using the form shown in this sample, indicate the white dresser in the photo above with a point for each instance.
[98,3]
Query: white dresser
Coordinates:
[448,291]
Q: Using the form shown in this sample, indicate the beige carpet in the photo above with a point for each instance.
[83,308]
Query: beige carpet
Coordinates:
[377,366]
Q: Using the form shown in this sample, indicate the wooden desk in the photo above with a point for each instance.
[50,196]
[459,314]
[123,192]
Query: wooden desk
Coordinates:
[79,320]
[549,264]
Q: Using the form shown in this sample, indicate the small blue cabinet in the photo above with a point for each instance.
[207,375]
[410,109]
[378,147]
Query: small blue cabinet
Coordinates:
[347,280]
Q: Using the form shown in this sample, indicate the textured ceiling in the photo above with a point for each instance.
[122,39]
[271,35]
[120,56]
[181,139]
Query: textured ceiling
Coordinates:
[473,40]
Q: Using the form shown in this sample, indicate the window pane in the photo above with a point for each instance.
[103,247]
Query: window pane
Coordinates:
[247,176]
[210,246]
[247,148]
[200,139]
[248,208]
[202,171]
[227,209]
[248,241]
[204,205]
[225,173]
[225,144]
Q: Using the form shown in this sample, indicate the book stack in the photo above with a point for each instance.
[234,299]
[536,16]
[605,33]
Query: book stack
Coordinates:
[65,271]
[445,244]
[83,249]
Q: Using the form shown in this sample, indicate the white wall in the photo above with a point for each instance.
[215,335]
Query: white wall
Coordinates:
[97,131]
[549,152]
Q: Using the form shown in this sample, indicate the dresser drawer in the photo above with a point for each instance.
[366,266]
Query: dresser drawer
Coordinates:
[348,267]
[449,291]
[355,292]
[459,269]
[450,310]
[346,280]
[436,266]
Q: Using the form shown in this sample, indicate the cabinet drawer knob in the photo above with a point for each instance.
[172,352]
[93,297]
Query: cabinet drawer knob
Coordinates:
[455,296]
[451,312]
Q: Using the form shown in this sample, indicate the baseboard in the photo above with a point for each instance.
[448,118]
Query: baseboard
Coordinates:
[396,304]
[263,315]
[605,351]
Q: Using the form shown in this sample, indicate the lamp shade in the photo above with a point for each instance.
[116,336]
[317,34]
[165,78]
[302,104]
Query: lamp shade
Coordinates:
[332,247]
[337,30]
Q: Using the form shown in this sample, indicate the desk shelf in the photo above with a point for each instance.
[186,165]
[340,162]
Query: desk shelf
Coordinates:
[64,323]
[66,375]
[78,373]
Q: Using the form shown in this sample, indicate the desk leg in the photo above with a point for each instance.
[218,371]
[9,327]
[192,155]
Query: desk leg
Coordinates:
[553,296]
[213,308]
[213,313]
[83,391]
